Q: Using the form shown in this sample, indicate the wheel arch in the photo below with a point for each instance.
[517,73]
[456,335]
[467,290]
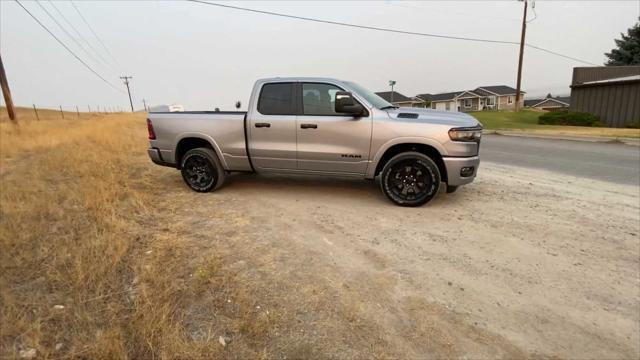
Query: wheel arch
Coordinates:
[191,141]
[398,148]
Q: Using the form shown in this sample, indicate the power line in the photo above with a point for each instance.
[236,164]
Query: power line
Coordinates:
[94,33]
[66,32]
[67,48]
[104,61]
[357,26]
[561,55]
[389,30]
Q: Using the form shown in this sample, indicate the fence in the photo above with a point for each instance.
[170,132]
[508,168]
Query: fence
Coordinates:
[69,112]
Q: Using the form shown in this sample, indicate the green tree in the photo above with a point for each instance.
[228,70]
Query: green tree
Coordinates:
[628,48]
[549,96]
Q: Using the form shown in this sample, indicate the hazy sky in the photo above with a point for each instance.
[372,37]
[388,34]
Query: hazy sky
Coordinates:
[204,56]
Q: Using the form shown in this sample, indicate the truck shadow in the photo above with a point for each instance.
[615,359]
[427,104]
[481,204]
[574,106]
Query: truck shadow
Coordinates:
[306,188]
[303,184]
[324,188]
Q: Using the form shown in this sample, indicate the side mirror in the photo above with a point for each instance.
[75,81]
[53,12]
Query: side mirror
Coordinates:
[347,105]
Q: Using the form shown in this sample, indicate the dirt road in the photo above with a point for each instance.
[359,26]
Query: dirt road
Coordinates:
[520,263]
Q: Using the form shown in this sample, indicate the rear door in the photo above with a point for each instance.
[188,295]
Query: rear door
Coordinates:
[272,128]
[330,141]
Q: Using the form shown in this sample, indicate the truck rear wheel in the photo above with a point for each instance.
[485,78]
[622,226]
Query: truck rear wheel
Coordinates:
[201,170]
[410,179]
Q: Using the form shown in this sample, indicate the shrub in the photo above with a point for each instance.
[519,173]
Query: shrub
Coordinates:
[633,124]
[569,118]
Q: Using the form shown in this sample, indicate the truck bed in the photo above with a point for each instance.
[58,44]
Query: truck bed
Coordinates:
[224,130]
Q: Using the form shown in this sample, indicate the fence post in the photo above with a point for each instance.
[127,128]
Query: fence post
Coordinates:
[77,111]
[89,106]
[36,111]
[61,112]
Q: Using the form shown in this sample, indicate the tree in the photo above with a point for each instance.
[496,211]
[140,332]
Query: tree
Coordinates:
[628,51]
[549,96]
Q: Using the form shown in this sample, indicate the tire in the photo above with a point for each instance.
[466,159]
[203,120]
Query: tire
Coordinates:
[451,189]
[402,175]
[201,170]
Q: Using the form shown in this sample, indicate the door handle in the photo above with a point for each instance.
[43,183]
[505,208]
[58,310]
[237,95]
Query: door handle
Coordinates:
[308,126]
[259,125]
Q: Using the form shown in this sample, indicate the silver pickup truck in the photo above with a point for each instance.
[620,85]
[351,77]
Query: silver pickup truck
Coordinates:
[321,126]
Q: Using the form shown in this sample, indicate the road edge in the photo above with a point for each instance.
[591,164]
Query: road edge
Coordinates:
[599,139]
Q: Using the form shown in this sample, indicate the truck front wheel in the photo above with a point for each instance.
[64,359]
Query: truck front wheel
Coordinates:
[410,179]
[201,170]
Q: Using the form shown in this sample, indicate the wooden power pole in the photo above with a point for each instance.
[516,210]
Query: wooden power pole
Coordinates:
[126,82]
[4,84]
[522,36]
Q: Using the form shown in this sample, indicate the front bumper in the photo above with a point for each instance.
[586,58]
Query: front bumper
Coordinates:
[458,169]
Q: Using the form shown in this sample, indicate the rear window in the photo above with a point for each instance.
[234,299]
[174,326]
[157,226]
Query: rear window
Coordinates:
[276,99]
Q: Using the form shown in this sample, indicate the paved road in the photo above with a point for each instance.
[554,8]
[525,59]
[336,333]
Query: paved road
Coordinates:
[617,163]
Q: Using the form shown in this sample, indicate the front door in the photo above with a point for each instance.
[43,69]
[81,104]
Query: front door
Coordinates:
[272,128]
[329,141]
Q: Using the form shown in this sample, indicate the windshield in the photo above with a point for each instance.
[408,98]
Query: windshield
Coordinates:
[369,95]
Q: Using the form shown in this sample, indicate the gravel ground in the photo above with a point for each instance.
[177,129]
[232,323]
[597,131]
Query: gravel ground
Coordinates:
[520,263]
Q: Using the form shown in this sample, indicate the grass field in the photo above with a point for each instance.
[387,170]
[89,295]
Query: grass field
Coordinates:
[92,265]
[527,121]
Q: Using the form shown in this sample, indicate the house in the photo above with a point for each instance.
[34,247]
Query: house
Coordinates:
[612,93]
[398,99]
[557,103]
[495,97]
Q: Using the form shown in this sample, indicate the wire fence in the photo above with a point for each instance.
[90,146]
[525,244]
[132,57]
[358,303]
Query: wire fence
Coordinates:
[37,112]
[73,111]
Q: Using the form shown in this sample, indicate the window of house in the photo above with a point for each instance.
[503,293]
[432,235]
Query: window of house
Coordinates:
[467,103]
[319,99]
[491,100]
[276,99]
[433,105]
[510,100]
[448,106]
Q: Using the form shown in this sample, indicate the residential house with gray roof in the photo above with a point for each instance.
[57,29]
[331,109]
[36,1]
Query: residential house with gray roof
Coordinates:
[557,103]
[494,97]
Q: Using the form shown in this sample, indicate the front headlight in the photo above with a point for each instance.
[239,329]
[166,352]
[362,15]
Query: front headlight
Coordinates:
[465,134]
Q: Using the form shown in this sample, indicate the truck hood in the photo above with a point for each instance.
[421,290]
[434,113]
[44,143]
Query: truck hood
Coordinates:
[455,119]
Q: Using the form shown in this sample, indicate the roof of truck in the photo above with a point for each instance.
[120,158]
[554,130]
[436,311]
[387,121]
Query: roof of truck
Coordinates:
[298,78]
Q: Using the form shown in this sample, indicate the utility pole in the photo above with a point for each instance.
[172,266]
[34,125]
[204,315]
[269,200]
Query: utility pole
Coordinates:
[391,83]
[36,111]
[144,102]
[4,84]
[61,112]
[126,82]
[522,35]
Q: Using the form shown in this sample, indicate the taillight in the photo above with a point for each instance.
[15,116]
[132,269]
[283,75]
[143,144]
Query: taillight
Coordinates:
[152,134]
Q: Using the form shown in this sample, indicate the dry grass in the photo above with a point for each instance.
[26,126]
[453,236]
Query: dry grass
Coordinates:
[82,227]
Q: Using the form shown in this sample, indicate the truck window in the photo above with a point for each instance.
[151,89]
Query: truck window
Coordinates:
[319,99]
[276,99]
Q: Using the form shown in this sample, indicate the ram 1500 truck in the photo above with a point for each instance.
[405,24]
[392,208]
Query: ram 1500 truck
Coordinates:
[321,126]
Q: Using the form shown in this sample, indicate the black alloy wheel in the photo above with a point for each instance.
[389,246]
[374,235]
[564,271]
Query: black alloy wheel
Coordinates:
[410,179]
[201,170]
